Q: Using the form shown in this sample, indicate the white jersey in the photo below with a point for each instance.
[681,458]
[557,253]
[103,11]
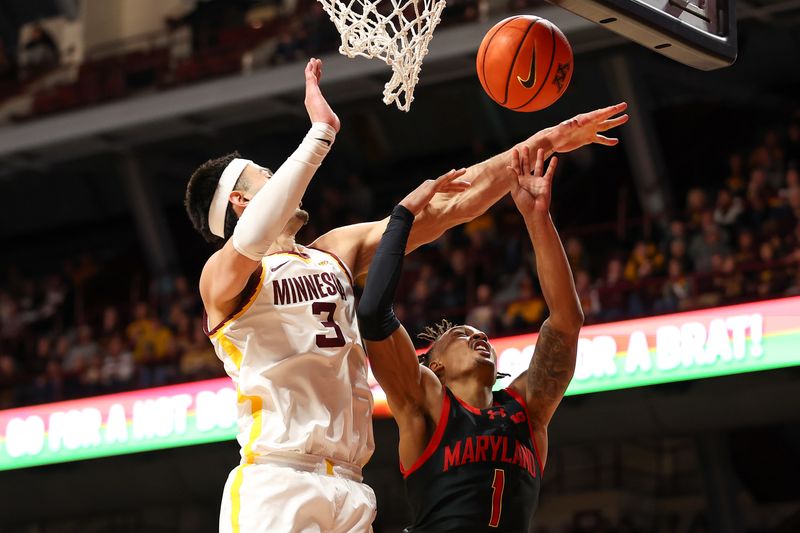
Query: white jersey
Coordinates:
[294,352]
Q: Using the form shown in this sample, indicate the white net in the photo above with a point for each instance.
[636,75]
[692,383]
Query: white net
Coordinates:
[395,31]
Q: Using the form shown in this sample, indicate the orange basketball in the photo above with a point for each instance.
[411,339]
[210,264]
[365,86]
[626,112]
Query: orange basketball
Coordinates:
[524,63]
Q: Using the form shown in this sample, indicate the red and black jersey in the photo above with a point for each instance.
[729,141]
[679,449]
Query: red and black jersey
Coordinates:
[480,471]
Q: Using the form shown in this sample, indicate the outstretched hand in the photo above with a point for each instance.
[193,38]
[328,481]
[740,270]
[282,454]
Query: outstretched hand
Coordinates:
[316,105]
[530,189]
[586,128]
[422,195]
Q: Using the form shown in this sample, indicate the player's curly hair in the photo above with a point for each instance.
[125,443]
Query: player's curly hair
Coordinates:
[200,191]
[433,334]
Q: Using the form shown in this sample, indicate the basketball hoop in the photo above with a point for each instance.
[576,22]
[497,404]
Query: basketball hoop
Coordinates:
[395,31]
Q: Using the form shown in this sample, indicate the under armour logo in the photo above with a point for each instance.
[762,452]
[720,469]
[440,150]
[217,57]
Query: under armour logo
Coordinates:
[496,412]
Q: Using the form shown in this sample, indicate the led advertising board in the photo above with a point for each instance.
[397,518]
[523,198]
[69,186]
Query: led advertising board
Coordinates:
[617,355]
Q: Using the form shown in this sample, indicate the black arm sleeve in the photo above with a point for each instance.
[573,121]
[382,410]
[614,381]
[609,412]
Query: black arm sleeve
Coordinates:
[376,317]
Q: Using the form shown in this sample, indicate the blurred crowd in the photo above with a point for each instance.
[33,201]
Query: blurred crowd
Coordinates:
[55,347]
[40,74]
[62,335]
[736,241]
[599,522]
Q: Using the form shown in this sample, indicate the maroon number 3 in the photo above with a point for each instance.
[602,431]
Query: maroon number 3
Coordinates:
[323,341]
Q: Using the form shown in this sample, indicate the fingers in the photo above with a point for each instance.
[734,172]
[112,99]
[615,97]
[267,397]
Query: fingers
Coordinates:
[608,141]
[516,164]
[537,168]
[608,112]
[551,168]
[455,186]
[449,177]
[313,70]
[311,76]
[318,69]
[525,161]
[612,123]
[612,110]
[515,168]
[447,183]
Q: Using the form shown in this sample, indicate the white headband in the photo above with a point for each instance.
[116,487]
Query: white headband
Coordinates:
[219,203]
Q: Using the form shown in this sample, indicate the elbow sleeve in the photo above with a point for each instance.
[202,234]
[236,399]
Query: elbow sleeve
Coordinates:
[376,317]
[377,326]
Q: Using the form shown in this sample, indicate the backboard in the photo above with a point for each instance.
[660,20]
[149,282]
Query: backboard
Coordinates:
[698,33]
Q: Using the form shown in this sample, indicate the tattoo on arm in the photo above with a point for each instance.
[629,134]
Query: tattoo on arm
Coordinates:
[550,371]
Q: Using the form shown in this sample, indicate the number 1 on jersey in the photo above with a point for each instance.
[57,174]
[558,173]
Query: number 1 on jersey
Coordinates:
[498,484]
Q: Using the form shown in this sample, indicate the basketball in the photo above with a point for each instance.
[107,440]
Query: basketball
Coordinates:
[524,63]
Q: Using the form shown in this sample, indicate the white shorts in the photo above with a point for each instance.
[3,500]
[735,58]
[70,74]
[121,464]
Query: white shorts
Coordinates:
[285,497]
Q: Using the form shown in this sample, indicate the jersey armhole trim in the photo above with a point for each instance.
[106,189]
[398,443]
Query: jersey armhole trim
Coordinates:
[521,401]
[436,438]
[341,263]
[249,295]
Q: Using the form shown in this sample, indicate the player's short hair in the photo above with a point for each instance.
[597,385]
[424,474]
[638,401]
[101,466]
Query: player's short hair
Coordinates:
[433,334]
[200,191]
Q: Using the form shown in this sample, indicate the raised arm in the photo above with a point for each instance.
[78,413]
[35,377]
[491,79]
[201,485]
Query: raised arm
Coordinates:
[413,392]
[490,181]
[553,363]
[264,216]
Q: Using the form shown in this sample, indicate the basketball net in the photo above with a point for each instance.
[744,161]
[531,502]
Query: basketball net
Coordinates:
[395,31]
